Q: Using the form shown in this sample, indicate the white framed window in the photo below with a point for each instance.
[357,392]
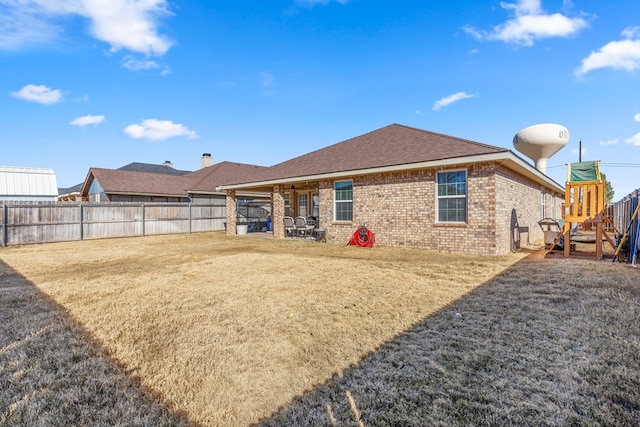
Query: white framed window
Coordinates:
[542,203]
[451,205]
[343,201]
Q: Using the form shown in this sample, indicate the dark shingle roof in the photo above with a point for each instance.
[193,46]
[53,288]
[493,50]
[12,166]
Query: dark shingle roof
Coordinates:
[133,182]
[392,145]
[207,179]
[119,181]
[151,168]
[68,190]
[134,167]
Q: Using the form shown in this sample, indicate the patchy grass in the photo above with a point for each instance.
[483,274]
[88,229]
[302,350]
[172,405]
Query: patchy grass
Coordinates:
[229,329]
[52,374]
[545,343]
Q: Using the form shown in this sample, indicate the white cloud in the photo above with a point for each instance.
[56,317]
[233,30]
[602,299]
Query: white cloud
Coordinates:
[157,130]
[451,99]
[529,24]
[138,65]
[631,32]
[311,3]
[267,82]
[609,142]
[636,118]
[22,26]
[122,24]
[38,93]
[634,140]
[266,79]
[619,55]
[87,120]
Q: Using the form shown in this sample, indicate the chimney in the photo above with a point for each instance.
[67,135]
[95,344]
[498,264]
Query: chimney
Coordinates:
[206,160]
[168,164]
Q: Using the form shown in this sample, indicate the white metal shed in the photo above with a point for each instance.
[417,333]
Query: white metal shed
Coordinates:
[28,184]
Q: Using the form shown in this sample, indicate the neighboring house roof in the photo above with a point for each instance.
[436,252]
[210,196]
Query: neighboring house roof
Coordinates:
[26,182]
[151,168]
[114,181]
[203,181]
[135,167]
[391,148]
[68,190]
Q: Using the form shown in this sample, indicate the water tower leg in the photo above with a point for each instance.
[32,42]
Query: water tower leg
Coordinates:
[541,165]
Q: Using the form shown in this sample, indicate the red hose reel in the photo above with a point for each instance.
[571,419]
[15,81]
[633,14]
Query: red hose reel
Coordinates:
[362,237]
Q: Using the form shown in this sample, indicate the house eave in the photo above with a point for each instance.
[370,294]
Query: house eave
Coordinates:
[130,193]
[223,193]
[523,167]
[507,158]
[207,193]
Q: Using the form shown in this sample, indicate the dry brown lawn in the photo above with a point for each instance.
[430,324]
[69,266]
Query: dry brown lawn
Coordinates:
[228,330]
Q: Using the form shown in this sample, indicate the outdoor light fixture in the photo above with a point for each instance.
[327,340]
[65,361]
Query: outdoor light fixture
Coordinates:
[293,187]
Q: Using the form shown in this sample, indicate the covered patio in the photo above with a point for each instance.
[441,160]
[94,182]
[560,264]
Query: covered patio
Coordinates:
[288,199]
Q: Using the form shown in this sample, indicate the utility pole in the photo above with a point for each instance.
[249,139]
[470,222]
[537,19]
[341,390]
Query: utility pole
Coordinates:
[580,152]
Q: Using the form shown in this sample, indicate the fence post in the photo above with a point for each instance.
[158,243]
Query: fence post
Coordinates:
[143,219]
[81,222]
[5,211]
[189,218]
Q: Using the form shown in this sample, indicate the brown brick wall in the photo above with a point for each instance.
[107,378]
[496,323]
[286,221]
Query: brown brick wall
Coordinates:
[400,208]
[519,208]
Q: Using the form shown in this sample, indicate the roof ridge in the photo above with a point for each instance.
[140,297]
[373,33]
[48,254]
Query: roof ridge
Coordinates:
[334,144]
[153,168]
[391,145]
[424,131]
[482,144]
[143,172]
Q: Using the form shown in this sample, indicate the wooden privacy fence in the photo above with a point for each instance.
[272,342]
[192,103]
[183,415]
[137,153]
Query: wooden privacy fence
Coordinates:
[57,222]
[623,210]
[625,222]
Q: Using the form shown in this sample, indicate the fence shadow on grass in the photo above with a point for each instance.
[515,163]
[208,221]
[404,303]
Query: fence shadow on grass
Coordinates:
[537,345]
[53,373]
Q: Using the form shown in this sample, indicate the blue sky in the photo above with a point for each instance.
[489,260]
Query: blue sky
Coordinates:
[102,83]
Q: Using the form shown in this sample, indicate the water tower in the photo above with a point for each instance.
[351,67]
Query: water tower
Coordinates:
[539,142]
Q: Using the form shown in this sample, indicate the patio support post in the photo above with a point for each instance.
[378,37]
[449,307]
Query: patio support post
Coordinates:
[231,201]
[277,200]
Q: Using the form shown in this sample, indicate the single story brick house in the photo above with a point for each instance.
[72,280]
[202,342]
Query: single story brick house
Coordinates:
[413,188]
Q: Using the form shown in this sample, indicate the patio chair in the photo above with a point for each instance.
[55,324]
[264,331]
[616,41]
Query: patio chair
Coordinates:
[289,226]
[303,229]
